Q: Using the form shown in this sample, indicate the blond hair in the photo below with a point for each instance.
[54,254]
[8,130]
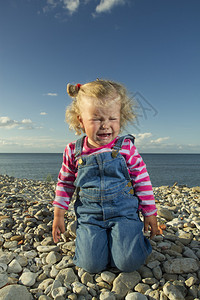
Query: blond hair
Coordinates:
[102,91]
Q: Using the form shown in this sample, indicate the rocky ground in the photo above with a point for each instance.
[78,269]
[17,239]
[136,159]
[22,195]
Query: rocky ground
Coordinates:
[33,267]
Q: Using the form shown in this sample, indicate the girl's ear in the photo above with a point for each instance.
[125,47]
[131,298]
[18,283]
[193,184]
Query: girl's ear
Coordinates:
[80,121]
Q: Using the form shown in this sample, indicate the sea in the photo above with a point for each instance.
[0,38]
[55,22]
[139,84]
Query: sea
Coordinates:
[164,169]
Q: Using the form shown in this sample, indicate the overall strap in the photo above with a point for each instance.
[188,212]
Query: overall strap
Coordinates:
[118,145]
[79,146]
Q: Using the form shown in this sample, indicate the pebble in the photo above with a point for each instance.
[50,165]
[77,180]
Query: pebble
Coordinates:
[33,267]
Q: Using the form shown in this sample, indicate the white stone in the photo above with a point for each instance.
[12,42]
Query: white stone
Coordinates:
[14,267]
[28,278]
[45,283]
[79,288]
[47,248]
[136,296]
[108,276]
[30,254]
[60,291]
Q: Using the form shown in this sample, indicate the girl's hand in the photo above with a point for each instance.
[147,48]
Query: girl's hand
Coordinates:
[58,224]
[58,228]
[150,223]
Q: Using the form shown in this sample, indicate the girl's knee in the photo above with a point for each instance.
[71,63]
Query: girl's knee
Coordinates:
[91,266]
[130,262]
[129,265]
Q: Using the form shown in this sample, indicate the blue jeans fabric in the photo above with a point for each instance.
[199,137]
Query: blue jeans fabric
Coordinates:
[109,230]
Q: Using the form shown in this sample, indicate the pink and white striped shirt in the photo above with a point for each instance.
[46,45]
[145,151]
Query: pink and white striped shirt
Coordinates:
[136,168]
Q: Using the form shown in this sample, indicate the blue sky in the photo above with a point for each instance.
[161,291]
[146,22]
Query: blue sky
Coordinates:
[151,46]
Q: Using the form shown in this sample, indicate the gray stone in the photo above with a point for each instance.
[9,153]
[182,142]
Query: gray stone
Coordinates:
[155,255]
[86,277]
[157,272]
[22,260]
[3,267]
[154,295]
[181,265]
[145,272]
[44,297]
[125,282]
[172,292]
[72,228]
[10,245]
[184,237]
[17,292]
[165,213]
[3,280]
[189,253]
[69,246]
[153,264]
[64,263]
[67,275]
[53,257]
[107,295]
[149,280]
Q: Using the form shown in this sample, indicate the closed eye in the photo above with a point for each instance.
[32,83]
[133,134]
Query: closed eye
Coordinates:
[96,120]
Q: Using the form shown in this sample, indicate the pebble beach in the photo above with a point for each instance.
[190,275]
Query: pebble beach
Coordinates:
[32,266]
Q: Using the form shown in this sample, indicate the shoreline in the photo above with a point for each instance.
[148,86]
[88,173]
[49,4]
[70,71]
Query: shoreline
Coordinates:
[33,267]
[48,179]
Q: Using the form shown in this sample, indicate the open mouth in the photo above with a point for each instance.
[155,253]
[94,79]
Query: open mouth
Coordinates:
[104,135]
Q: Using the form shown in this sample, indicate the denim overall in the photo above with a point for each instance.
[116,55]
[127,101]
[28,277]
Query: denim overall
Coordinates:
[109,230]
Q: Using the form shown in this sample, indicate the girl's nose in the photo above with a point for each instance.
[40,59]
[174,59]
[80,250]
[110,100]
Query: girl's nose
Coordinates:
[104,125]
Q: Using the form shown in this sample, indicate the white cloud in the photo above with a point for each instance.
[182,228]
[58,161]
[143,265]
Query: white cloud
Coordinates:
[71,5]
[160,140]
[26,121]
[25,124]
[145,135]
[32,144]
[146,142]
[142,137]
[107,5]
[6,122]
[51,94]
[43,113]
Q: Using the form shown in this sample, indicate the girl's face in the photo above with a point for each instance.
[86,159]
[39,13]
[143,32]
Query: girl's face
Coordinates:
[101,124]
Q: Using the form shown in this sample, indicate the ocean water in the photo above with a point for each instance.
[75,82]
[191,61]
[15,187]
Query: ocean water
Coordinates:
[164,169]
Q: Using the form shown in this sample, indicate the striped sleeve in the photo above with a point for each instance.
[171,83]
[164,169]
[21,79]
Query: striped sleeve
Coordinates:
[65,186]
[140,178]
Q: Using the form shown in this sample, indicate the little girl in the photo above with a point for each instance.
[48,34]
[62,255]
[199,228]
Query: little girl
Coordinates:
[110,179]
